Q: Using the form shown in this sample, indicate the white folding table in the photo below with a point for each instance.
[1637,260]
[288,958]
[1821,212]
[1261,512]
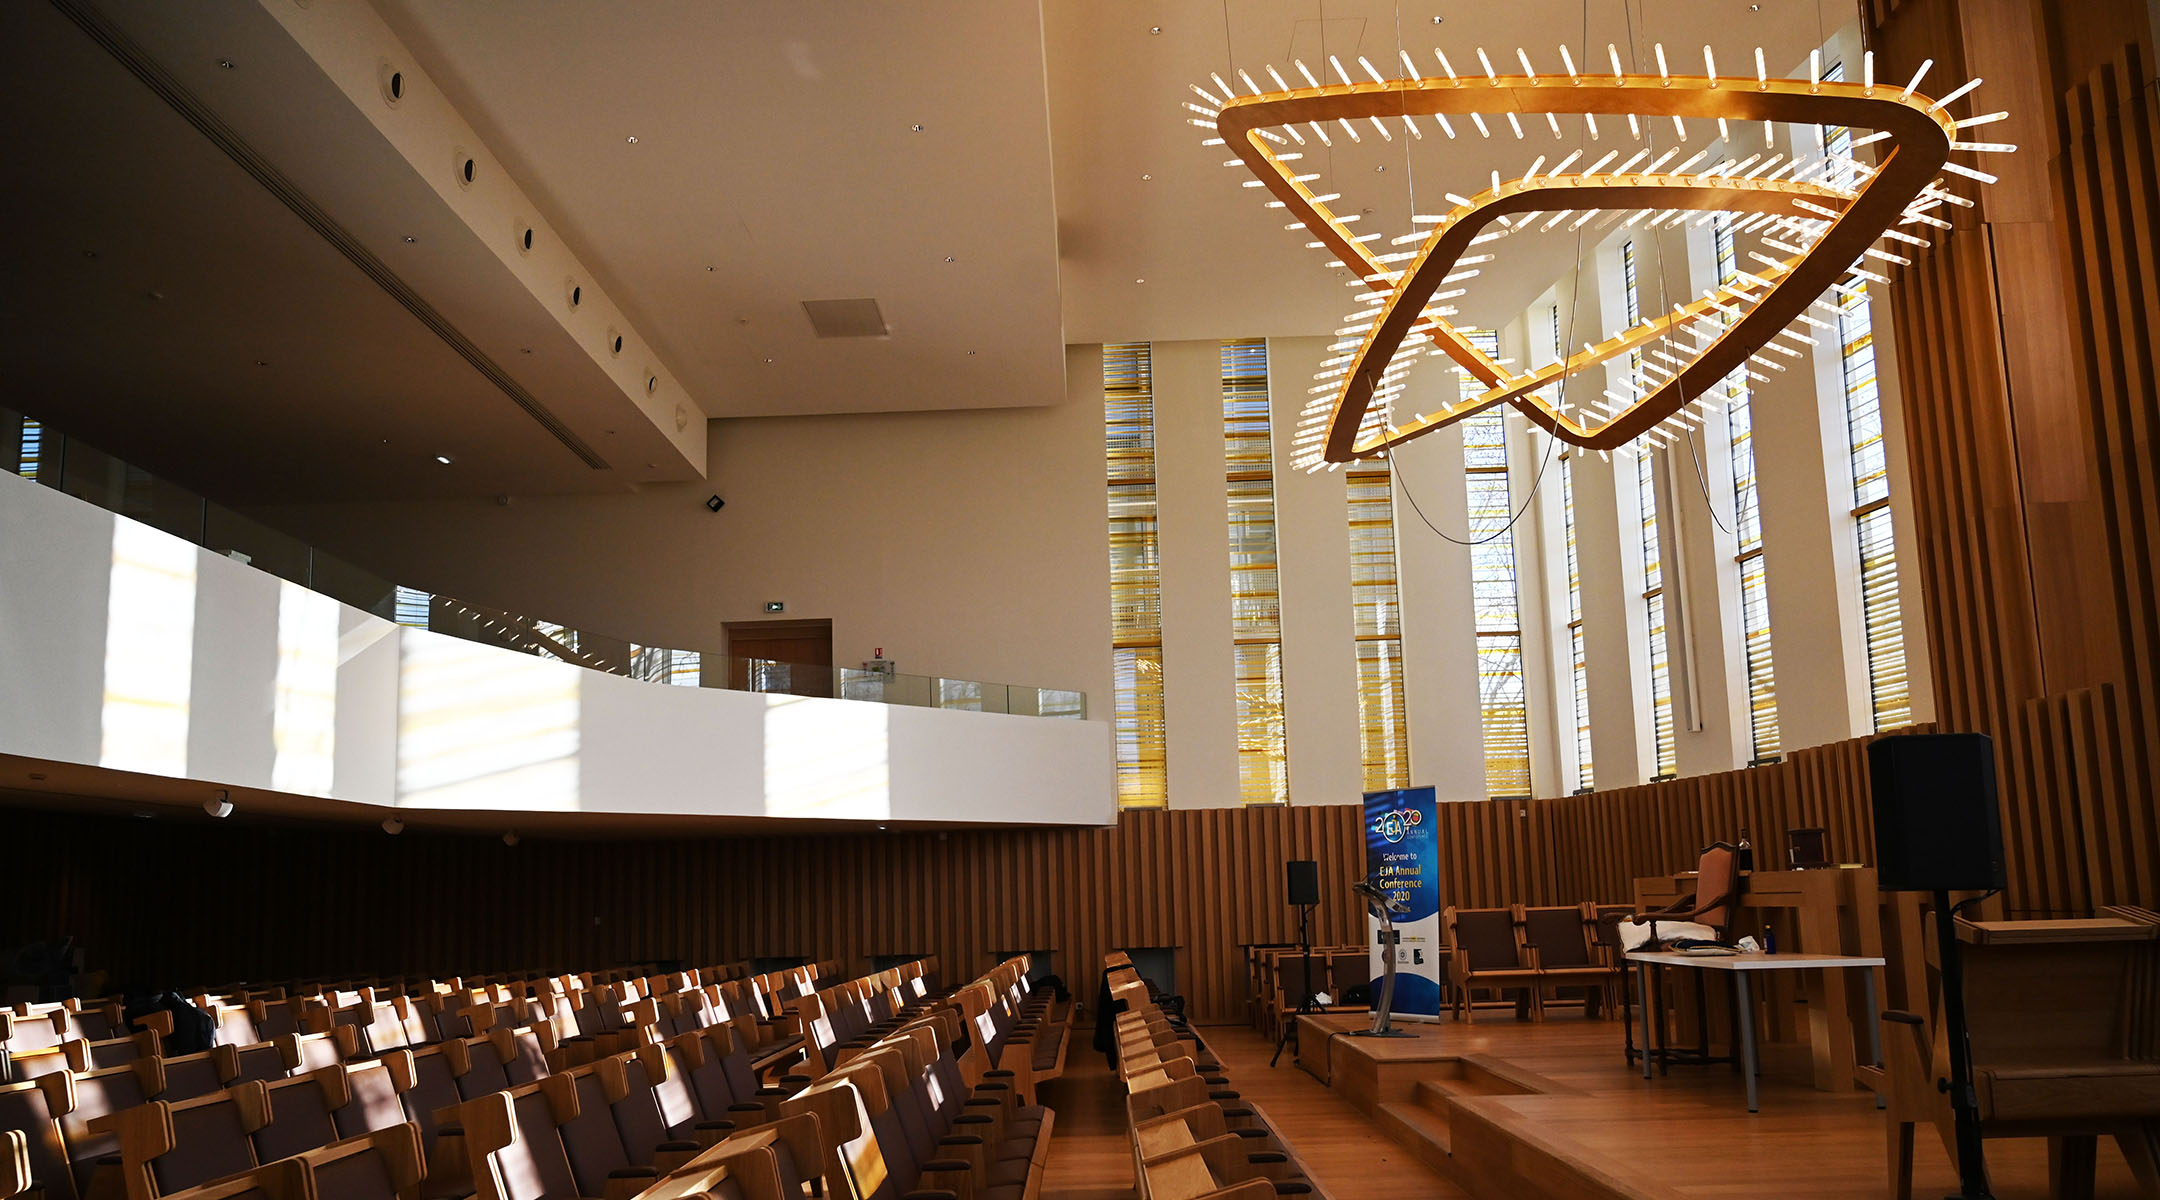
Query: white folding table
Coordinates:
[1740,966]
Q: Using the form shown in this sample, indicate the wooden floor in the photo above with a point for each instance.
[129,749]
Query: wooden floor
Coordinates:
[1687,1134]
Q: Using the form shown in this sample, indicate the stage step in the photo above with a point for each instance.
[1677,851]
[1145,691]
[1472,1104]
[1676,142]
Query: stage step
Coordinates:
[1473,1080]
[1424,1130]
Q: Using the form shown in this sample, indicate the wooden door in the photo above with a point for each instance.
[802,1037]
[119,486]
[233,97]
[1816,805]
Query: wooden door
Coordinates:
[791,657]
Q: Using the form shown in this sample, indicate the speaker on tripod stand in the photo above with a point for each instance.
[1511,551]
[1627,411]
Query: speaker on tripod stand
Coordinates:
[1301,884]
[1938,828]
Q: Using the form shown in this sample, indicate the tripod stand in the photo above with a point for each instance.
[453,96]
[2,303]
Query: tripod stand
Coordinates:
[1305,994]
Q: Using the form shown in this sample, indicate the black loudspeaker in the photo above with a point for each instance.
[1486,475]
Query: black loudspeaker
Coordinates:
[1301,877]
[1938,827]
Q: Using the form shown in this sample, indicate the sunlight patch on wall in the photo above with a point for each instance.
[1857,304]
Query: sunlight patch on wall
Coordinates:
[480,727]
[149,652]
[826,758]
[304,704]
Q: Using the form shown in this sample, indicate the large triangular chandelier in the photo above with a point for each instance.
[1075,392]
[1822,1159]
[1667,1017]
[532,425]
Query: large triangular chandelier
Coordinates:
[1831,222]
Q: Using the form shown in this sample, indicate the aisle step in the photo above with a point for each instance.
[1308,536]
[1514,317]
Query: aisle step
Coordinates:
[1423,1130]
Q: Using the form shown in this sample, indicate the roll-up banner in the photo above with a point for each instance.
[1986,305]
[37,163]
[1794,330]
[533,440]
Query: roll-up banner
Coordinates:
[1402,859]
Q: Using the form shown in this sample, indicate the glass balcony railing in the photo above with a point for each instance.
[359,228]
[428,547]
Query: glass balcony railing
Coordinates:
[44,455]
[892,687]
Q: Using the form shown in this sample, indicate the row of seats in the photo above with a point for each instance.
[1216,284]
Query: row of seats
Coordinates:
[1535,953]
[1193,1137]
[172,1123]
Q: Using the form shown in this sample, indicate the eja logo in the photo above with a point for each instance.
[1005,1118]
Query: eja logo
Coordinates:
[1397,823]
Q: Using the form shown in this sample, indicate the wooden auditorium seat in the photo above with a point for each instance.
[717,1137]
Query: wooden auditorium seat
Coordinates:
[1562,945]
[2064,1020]
[1486,951]
[30,1112]
[168,1146]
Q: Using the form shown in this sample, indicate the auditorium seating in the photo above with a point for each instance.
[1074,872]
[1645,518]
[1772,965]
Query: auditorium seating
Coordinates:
[371,1100]
[1193,1138]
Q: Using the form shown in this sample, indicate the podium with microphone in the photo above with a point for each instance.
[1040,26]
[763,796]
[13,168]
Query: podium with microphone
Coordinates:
[1382,907]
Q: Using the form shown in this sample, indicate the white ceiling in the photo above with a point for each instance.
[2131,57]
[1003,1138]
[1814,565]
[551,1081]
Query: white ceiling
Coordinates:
[775,146]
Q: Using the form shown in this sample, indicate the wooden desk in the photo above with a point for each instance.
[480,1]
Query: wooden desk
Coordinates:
[1832,911]
[1740,967]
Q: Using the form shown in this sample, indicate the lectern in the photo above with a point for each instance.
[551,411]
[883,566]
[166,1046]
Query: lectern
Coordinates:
[1384,907]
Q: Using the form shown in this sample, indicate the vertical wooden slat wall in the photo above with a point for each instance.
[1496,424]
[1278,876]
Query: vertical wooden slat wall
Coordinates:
[2030,433]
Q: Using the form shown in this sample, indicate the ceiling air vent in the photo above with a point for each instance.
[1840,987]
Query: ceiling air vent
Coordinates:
[845,318]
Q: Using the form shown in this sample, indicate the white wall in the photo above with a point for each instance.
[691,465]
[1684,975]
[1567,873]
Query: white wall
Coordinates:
[125,647]
[973,544]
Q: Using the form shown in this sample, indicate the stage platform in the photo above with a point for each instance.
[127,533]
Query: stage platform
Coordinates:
[1505,1109]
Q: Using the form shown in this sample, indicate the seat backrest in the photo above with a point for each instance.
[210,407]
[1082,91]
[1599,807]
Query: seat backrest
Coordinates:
[300,1113]
[427,1089]
[1347,969]
[285,1180]
[1559,934]
[98,1094]
[34,1031]
[1486,936]
[523,1053]
[191,1075]
[1717,884]
[32,1109]
[478,1065]
[371,1094]
[384,1165]
[168,1147]
[516,1151]
[235,1024]
[855,1163]
[71,1055]
[587,1127]
[316,1050]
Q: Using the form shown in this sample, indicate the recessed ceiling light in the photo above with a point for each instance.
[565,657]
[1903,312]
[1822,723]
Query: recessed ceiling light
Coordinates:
[1156,29]
[1381,167]
[768,360]
[524,349]
[262,362]
[225,64]
[1145,178]
[1437,20]
[410,239]
[918,129]
[444,459]
[632,139]
[948,258]
[712,268]
[971,354]
[1139,281]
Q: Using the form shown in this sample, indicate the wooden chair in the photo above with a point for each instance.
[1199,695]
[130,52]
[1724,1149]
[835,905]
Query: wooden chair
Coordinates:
[1485,950]
[32,1112]
[1716,896]
[285,1180]
[2065,1041]
[1562,945]
[169,1146]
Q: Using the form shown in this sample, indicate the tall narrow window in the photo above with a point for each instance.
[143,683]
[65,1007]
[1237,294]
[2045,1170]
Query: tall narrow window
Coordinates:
[1494,599]
[1255,603]
[1747,537]
[1578,658]
[33,447]
[1135,577]
[1376,603]
[1889,688]
[1653,589]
